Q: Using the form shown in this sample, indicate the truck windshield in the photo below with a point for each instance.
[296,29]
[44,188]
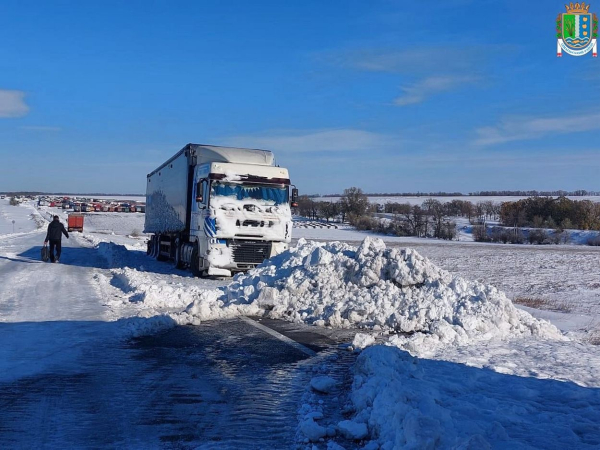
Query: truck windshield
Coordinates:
[265,194]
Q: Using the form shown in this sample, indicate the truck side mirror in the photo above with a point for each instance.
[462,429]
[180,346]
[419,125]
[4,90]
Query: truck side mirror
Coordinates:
[200,192]
[294,202]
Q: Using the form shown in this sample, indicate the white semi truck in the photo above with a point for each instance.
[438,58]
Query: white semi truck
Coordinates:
[218,210]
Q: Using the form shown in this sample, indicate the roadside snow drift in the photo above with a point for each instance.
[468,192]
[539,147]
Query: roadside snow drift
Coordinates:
[383,289]
[414,403]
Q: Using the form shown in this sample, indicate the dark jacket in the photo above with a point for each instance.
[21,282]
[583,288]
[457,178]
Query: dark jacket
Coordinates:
[55,231]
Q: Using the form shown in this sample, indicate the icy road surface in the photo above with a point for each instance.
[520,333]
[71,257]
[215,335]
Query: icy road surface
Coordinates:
[72,376]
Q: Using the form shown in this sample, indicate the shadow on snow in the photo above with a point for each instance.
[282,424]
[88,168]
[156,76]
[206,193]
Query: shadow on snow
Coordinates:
[104,256]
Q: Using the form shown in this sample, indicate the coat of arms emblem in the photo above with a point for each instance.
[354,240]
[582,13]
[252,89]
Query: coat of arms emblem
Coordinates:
[577,30]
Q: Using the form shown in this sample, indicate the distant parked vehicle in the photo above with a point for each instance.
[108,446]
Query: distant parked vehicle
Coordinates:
[75,222]
[76,207]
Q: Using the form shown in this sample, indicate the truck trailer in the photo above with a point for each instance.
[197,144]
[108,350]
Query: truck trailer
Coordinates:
[218,210]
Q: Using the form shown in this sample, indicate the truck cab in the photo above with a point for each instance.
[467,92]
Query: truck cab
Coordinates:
[240,215]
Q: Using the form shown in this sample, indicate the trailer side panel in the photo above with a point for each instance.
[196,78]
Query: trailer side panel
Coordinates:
[167,194]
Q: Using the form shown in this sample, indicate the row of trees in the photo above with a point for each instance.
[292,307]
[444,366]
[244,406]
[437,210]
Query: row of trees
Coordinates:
[485,210]
[433,218]
[430,219]
[532,193]
[547,212]
[406,194]
[560,193]
[354,203]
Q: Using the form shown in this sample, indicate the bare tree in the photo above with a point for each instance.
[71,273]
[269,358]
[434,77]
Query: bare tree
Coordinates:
[329,210]
[354,202]
[307,207]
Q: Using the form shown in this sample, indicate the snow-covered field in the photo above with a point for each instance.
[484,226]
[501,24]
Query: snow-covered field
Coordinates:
[18,220]
[446,358]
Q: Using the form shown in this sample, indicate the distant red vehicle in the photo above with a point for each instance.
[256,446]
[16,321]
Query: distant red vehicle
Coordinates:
[75,222]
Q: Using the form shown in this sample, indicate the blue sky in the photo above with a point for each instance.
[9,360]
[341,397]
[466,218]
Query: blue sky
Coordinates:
[389,96]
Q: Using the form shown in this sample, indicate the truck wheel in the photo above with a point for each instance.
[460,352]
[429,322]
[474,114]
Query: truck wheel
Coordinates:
[194,263]
[159,257]
[154,249]
[179,264]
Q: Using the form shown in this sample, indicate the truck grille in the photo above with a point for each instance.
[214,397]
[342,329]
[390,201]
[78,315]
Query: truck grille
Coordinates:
[250,252]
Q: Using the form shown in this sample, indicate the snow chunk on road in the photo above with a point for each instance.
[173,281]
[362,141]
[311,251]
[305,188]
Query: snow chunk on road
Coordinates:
[362,340]
[323,384]
[353,430]
[312,430]
[388,289]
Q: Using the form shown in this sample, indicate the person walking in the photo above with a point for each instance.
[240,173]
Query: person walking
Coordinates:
[54,235]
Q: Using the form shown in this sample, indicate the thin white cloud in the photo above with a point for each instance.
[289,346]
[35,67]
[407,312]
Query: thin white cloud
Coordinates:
[39,128]
[520,129]
[430,69]
[414,61]
[12,104]
[425,88]
[338,140]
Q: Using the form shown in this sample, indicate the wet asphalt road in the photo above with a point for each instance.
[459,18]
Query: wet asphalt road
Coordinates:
[221,385]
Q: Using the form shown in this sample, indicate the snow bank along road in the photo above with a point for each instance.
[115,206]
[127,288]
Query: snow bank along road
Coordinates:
[113,349]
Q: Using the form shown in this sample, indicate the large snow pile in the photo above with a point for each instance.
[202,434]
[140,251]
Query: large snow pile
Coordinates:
[409,402]
[384,289]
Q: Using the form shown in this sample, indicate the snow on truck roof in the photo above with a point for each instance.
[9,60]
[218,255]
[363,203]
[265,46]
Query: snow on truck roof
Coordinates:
[215,153]
[211,153]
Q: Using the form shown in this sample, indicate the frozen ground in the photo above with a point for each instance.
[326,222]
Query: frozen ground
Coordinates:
[447,362]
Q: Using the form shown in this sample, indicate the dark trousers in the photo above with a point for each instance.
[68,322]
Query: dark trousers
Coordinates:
[55,243]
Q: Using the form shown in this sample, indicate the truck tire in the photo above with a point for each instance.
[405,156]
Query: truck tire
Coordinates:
[179,264]
[159,257]
[194,263]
